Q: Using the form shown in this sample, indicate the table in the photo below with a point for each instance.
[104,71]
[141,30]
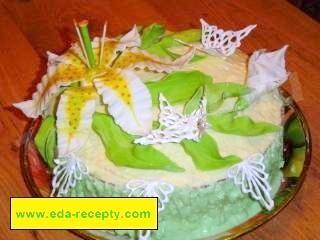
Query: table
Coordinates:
[28,28]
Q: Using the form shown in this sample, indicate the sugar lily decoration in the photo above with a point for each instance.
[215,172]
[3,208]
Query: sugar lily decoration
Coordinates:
[107,65]
[102,67]
[143,188]
[251,176]
[223,42]
[175,127]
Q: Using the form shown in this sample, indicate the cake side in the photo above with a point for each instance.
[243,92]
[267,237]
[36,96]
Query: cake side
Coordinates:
[193,212]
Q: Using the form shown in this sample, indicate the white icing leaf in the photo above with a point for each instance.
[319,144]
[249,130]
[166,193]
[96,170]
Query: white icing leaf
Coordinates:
[223,42]
[266,71]
[143,188]
[67,172]
[74,118]
[175,127]
[251,176]
[128,100]
[137,58]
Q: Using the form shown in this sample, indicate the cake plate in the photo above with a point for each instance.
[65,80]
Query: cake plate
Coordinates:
[297,154]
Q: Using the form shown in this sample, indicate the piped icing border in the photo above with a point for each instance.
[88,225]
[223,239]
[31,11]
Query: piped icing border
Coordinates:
[143,188]
[251,176]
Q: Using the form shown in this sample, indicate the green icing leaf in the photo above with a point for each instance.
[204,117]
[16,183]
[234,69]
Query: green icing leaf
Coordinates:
[193,103]
[217,92]
[160,48]
[231,123]
[197,58]
[121,150]
[205,154]
[241,104]
[151,35]
[46,140]
[178,86]
[188,36]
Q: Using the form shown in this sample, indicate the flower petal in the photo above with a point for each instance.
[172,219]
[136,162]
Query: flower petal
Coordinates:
[62,71]
[112,46]
[136,58]
[74,117]
[128,99]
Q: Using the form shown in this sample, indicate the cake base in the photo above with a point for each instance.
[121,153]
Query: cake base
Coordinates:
[194,213]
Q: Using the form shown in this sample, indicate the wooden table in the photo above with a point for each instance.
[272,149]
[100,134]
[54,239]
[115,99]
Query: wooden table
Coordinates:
[28,28]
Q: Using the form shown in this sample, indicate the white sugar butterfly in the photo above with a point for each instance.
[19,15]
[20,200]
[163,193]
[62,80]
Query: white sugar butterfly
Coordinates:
[175,127]
[223,42]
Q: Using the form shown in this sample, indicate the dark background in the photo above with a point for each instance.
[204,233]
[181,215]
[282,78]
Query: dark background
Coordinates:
[310,7]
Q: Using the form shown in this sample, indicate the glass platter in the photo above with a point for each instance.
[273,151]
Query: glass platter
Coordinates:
[297,154]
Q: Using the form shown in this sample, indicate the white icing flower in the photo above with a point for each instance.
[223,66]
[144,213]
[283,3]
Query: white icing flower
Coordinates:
[175,127]
[251,176]
[67,172]
[266,71]
[223,42]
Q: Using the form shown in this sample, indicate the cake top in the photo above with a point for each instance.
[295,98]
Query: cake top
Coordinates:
[150,89]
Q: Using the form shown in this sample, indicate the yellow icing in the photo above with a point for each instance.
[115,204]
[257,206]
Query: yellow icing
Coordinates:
[66,74]
[109,51]
[108,54]
[76,99]
[117,83]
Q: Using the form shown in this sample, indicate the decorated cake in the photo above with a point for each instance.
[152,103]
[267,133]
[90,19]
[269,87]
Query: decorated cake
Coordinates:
[183,116]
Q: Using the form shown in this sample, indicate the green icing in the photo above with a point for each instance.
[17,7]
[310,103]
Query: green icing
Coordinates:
[121,150]
[46,140]
[205,154]
[231,123]
[151,35]
[216,93]
[188,36]
[178,86]
[194,213]
[241,104]
[193,103]
[154,41]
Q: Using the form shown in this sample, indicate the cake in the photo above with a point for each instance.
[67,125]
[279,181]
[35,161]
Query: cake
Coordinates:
[183,116]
